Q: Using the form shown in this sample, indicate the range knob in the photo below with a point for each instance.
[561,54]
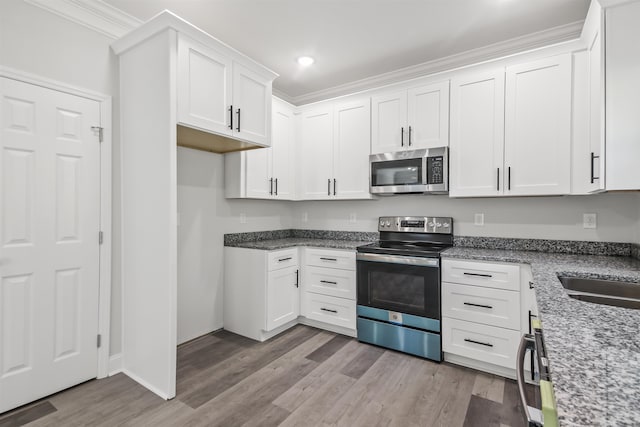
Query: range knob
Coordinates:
[381,223]
[388,223]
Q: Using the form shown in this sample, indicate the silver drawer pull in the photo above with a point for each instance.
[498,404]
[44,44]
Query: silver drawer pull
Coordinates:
[328,282]
[477,305]
[328,259]
[329,310]
[477,274]
[284,259]
[478,342]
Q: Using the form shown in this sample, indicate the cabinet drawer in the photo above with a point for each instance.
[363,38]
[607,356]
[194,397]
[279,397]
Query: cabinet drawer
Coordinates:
[480,342]
[327,309]
[501,276]
[345,260]
[282,259]
[495,307]
[330,281]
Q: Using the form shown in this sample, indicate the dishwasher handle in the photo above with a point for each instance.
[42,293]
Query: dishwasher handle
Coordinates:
[534,415]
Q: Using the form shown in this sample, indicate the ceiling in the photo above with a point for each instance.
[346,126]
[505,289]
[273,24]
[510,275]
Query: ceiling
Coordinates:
[352,40]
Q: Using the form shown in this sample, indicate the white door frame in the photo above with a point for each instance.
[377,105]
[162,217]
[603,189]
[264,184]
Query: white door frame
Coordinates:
[104,305]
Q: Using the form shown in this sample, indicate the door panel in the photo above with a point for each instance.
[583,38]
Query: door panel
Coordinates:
[258,172]
[538,127]
[283,297]
[428,116]
[252,106]
[477,135]
[282,151]
[49,250]
[389,122]
[316,173]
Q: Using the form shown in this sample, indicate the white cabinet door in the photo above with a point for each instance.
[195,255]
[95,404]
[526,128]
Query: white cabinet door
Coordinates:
[538,127]
[352,142]
[428,116]
[204,87]
[477,134]
[389,122]
[282,141]
[316,174]
[623,97]
[283,297]
[251,106]
[258,173]
[596,158]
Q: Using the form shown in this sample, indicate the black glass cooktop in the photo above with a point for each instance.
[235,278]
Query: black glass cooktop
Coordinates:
[419,249]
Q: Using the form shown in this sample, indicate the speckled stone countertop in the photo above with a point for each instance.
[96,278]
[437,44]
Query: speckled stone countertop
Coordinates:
[281,239]
[593,349]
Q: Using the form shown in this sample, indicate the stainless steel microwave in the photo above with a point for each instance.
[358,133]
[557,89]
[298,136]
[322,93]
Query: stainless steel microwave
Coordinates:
[405,172]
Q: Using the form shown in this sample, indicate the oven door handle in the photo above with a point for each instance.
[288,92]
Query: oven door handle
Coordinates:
[534,415]
[393,259]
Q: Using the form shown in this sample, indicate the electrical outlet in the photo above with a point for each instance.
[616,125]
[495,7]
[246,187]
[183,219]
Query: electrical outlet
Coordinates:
[352,217]
[243,218]
[589,220]
[478,219]
[305,217]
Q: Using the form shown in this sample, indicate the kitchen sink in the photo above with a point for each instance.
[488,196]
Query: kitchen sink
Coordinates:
[608,292]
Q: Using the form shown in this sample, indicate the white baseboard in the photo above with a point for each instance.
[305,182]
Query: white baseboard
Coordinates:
[115,364]
[328,327]
[146,385]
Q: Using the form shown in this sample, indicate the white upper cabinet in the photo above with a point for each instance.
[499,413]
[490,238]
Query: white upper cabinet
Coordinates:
[265,173]
[622,97]
[316,137]
[251,105]
[204,87]
[220,95]
[410,119]
[388,122]
[477,134]
[335,145]
[352,142]
[538,127]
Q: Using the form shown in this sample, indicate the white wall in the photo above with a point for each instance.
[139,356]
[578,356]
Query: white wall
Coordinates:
[205,216]
[524,217]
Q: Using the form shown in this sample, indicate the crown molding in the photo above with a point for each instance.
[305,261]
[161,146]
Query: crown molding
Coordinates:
[94,14]
[505,48]
[611,3]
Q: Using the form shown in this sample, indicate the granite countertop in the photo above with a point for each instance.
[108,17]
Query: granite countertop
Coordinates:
[289,242]
[282,239]
[593,349]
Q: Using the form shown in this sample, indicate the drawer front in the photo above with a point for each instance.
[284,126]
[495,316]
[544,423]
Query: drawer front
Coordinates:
[501,276]
[282,259]
[330,281]
[480,342]
[494,307]
[345,260]
[332,310]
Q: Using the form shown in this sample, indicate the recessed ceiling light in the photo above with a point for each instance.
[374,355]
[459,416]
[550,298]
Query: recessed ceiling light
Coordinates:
[305,61]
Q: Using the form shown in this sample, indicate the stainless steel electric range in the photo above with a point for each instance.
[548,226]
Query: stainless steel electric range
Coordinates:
[398,283]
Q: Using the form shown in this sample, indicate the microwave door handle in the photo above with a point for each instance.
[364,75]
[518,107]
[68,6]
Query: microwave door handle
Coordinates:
[425,174]
[534,415]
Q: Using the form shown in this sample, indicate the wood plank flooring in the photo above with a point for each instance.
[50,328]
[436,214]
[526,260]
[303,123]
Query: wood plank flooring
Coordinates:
[302,377]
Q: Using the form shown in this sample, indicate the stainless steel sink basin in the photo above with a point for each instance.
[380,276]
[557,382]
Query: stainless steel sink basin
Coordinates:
[608,292]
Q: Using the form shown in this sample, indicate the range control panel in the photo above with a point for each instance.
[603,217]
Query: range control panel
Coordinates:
[416,224]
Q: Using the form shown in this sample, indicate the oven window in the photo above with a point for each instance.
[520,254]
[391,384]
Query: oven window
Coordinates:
[399,287]
[397,172]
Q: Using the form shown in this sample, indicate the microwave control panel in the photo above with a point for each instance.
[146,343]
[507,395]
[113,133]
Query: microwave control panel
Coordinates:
[435,170]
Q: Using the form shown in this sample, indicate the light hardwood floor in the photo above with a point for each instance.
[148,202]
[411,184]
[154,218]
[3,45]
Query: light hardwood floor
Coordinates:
[303,377]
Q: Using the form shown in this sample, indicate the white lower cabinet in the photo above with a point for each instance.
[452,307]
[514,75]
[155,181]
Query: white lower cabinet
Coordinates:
[266,292]
[486,307]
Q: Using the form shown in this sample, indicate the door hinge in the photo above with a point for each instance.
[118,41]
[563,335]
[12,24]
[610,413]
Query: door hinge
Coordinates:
[99,130]
[100,237]
[99,340]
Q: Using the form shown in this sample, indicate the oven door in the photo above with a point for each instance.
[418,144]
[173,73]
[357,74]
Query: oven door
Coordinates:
[391,175]
[402,284]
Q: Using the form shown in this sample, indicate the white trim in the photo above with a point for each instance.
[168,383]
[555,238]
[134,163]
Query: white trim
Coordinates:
[327,327]
[146,384]
[115,364]
[104,305]
[611,3]
[505,48]
[94,14]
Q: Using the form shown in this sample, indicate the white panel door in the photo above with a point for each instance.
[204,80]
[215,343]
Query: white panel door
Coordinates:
[49,255]
[282,151]
[428,116]
[258,170]
[283,297]
[596,159]
[389,122]
[204,87]
[352,142]
[316,173]
[538,127]
[477,135]
[252,106]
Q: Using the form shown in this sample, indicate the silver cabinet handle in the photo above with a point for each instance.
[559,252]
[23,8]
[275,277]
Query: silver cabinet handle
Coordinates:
[534,415]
